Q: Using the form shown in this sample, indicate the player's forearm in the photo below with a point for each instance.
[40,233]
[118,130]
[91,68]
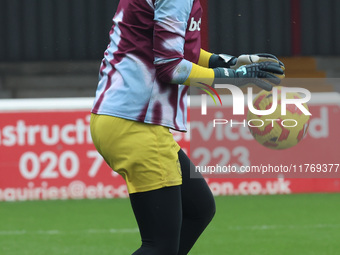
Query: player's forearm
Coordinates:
[182,71]
[199,74]
[190,74]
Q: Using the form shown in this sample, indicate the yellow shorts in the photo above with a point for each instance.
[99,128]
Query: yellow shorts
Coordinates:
[144,154]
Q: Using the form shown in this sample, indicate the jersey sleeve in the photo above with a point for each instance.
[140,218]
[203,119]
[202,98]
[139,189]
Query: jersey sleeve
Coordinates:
[171,18]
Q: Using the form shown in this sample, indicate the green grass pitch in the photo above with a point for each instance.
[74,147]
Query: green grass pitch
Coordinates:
[280,224]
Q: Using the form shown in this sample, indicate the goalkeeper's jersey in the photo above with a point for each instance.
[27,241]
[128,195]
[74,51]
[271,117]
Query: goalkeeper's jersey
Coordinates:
[152,45]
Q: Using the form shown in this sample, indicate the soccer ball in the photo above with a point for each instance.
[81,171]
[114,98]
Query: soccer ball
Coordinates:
[276,131]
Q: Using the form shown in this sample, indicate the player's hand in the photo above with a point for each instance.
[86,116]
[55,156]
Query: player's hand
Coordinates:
[227,61]
[255,58]
[264,74]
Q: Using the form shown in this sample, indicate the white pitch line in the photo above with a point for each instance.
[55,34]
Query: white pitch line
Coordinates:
[112,231]
[135,230]
[269,227]
[59,232]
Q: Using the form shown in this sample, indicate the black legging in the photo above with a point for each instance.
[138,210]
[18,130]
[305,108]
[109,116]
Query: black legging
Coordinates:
[171,219]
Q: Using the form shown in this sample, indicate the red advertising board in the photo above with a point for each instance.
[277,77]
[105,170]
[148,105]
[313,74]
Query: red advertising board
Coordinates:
[48,154]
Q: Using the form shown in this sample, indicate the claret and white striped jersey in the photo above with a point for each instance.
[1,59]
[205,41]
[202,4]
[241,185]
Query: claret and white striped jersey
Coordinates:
[153,44]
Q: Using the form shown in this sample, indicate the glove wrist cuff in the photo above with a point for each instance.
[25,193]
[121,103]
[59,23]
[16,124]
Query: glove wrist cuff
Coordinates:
[221,60]
[224,73]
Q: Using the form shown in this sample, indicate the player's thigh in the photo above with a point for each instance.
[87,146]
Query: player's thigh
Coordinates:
[197,197]
[159,217]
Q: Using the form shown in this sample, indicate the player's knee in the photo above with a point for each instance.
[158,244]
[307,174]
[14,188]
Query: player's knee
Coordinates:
[211,210]
[208,210]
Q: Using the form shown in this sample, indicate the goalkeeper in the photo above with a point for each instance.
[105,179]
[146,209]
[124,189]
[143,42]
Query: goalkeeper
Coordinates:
[154,53]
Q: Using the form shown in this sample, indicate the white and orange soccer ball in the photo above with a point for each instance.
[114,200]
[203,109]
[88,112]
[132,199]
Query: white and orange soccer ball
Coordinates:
[278,131]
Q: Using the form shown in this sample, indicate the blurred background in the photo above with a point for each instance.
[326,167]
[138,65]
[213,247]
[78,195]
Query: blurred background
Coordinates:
[53,48]
[56,191]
